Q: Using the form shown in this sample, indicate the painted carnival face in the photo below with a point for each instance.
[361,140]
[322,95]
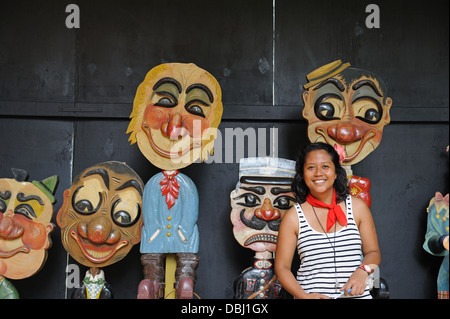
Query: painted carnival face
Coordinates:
[175,116]
[346,106]
[101,216]
[257,209]
[26,210]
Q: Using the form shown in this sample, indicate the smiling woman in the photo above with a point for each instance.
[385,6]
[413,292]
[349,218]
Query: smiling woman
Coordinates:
[333,232]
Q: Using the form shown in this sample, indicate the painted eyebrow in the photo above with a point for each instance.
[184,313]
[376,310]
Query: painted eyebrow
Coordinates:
[280,190]
[131,183]
[203,88]
[167,80]
[22,198]
[102,172]
[334,81]
[6,195]
[257,189]
[358,84]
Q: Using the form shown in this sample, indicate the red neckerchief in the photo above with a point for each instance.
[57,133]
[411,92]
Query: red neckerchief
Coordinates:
[334,213]
[170,187]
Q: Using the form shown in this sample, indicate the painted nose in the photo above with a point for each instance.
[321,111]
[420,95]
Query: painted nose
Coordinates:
[99,231]
[267,212]
[345,133]
[174,129]
[9,229]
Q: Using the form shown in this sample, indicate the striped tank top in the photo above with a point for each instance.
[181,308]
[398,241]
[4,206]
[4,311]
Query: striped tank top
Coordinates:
[321,266]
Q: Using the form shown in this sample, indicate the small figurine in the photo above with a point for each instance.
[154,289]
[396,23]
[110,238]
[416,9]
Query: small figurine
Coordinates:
[101,220]
[436,239]
[347,108]
[176,113]
[26,210]
[262,196]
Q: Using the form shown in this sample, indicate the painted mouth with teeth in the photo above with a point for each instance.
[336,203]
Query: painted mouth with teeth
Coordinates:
[268,238]
[97,253]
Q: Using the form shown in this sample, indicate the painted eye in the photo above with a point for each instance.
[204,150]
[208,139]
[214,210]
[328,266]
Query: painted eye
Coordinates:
[284,202]
[194,107]
[125,215]
[3,206]
[166,99]
[25,210]
[4,200]
[250,200]
[327,107]
[367,109]
[86,203]
[196,110]
[372,115]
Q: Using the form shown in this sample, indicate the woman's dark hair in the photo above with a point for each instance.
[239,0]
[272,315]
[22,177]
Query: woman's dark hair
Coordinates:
[299,187]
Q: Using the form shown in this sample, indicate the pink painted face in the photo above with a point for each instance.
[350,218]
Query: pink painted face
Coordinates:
[25,215]
[175,115]
[256,213]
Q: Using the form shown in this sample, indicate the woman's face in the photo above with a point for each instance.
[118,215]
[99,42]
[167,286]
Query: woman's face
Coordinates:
[319,172]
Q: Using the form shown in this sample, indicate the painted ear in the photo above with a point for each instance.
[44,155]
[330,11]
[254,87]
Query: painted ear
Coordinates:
[20,175]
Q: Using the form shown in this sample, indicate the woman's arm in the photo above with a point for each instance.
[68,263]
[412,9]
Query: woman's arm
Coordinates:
[370,248]
[286,245]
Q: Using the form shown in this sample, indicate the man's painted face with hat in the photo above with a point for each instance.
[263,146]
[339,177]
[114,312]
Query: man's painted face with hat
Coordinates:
[26,210]
[348,107]
[262,196]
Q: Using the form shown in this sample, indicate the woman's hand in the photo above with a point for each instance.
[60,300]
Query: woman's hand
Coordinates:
[357,283]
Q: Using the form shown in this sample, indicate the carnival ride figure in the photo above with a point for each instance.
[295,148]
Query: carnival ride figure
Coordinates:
[176,112]
[101,220]
[26,210]
[259,201]
[436,239]
[347,108]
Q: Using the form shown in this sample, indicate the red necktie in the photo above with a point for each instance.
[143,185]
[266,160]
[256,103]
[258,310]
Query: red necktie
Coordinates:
[335,211]
[170,188]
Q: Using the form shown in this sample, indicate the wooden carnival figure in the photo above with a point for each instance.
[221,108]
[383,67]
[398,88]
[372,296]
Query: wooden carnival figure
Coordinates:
[101,220]
[174,121]
[348,109]
[262,196]
[436,239]
[26,210]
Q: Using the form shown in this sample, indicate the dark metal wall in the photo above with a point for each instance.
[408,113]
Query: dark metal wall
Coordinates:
[65,97]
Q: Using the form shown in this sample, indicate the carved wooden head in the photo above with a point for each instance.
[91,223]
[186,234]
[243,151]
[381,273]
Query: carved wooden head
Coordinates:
[262,196]
[176,112]
[26,210]
[101,216]
[348,107]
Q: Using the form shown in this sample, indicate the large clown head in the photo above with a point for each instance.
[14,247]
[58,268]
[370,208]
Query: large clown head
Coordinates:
[26,210]
[101,216]
[176,112]
[262,196]
[347,107]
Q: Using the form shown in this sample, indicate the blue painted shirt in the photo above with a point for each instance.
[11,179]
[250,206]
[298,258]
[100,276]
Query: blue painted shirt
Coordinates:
[171,230]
